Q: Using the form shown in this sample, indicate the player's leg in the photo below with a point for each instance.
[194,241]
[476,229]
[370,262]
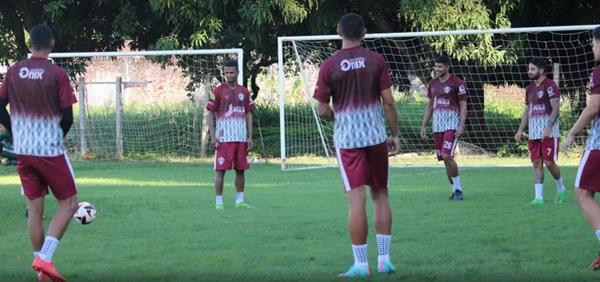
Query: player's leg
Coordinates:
[538,180]
[377,157]
[550,158]
[34,188]
[35,223]
[588,184]
[449,146]
[241,165]
[353,171]
[58,174]
[219,178]
[224,155]
[358,227]
[438,141]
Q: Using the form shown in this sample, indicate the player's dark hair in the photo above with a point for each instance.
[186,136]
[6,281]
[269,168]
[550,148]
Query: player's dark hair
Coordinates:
[41,37]
[596,33]
[231,64]
[539,62]
[442,59]
[352,25]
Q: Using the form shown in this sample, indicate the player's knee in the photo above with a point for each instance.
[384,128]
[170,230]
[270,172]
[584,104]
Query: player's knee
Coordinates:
[69,203]
[548,163]
[583,196]
[537,163]
[447,158]
[239,172]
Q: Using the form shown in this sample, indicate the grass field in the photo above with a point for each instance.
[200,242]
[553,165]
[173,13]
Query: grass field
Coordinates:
[156,222]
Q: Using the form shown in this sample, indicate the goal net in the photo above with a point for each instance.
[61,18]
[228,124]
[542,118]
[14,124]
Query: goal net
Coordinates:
[493,64]
[142,104]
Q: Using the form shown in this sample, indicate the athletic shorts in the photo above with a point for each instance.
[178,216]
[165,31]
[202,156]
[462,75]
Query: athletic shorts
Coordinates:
[40,173]
[588,174]
[445,143]
[364,166]
[546,149]
[230,155]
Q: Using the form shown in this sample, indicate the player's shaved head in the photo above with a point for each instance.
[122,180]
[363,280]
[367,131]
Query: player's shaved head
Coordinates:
[442,59]
[231,64]
[352,26]
[42,37]
[539,62]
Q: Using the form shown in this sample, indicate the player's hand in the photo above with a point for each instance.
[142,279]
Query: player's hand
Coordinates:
[568,143]
[519,136]
[249,141]
[214,141]
[393,145]
[424,132]
[547,132]
[459,131]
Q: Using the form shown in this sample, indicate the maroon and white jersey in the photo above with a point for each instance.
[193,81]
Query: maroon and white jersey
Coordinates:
[37,91]
[230,107]
[446,97]
[354,78]
[538,97]
[593,142]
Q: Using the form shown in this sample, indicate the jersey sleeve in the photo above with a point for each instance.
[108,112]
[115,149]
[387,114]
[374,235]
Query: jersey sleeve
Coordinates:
[66,94]
[385,79]
[553,91]
[248,102]
[595,82]
[211,105]
[462,91]
[323,88]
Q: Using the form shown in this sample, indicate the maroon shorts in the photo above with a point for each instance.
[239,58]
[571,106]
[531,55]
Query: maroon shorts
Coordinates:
[588,175]
[546,149]
[40,173]
[364,166]
[231,155]
[445,143]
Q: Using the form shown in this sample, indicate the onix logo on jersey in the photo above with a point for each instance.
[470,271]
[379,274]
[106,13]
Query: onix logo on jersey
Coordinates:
[353,64]
[33,74]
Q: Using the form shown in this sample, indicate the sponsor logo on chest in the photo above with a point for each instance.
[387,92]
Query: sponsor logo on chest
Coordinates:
[31,74]
[353,64]
[539,108]
[443,102]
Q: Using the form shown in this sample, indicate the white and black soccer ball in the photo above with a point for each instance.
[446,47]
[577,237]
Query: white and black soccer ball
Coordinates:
[85,214]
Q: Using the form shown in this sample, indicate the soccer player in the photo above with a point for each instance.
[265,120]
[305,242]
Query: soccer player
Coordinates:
[232,108]
[588,180]
[542,107]
[448,105]
[41,98]
[358,81]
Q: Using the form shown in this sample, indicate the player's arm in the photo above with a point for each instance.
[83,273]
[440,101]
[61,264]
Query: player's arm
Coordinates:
[67,120]
[325,111]
[211,127]
[462,106]
[553,117]
[426,118]
[4,116]
[249,128]
[588,114]
[391,115]
[524,121]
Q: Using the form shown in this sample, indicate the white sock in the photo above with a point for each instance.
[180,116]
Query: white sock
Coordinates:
[219,199]
[560,185]
[239,198]
[361,255]
[539,191]
[598,234]
[47,251]
[456,183]
[383,247]
[35,254]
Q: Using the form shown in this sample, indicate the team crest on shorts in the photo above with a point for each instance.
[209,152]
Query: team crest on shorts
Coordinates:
[221,160]
[447,89]
[241,96]
[540,94]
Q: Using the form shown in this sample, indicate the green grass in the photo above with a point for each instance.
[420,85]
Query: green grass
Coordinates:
[156,222]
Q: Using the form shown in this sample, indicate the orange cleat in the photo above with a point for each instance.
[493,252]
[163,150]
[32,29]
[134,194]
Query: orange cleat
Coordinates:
[48,269]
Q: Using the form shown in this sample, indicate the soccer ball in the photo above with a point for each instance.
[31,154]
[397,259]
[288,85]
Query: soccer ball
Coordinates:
[85,214]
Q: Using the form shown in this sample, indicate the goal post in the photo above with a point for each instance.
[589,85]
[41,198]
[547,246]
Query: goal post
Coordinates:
[492,62]
[143,104]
